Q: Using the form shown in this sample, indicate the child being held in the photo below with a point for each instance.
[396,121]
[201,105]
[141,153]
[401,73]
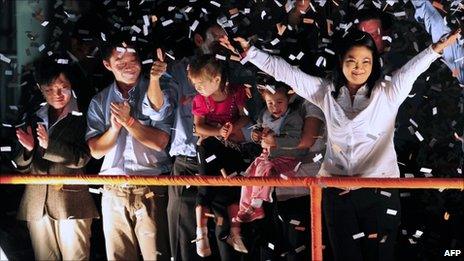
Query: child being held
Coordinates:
[279,136]
[218,120]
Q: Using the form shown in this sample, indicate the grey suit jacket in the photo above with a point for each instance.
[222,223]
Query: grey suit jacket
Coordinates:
[67,154]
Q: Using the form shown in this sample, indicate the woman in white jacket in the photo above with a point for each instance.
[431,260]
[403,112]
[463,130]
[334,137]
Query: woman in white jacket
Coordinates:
[360,110]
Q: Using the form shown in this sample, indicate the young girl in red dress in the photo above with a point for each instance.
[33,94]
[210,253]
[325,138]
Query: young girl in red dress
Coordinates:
[218,120]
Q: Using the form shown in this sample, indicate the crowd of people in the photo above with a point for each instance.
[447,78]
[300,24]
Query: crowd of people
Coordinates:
[250,102]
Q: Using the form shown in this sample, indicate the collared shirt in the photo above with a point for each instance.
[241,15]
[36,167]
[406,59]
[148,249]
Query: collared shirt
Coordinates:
[42,113]
[183,141]
[362,145]
[434,24]
[129,156]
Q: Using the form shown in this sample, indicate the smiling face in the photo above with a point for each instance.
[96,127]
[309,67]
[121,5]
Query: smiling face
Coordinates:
[357,66]
[124,66]
[206,86]
[276,103]
[58,93]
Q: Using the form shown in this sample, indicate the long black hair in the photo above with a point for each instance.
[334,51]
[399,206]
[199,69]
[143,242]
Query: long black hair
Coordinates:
[355,38]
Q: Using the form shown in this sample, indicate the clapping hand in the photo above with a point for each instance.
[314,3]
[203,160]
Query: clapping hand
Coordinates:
[26,138]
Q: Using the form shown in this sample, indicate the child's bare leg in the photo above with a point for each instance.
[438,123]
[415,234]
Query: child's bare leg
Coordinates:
[202,241]
[235,238]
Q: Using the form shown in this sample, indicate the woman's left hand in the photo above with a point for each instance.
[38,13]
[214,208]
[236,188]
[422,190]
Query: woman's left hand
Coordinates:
[446,41]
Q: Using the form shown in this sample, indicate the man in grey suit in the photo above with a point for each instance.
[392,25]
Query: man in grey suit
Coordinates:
[59,226]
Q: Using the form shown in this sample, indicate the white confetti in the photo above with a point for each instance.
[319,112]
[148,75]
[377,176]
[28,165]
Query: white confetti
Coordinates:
[170,56]
[413,123]
[7,125]
[5,149]
[136,29]
[94,190]
[299,249]
[385,193]
[425,170]
[103,37]
[275,41]
[220,57]
[14,164]
[245,111]
[434,111]
[77,113]
[147,61]
[300,55]
[270,88]
[283,176]
[44,23]
[327,50]
[295,222]
[167,22]
[41,48]
[194,26]
[359,235]
[62,61]
[317,157]
[271,246]
[215,3]
[4,58]
[297,166]
[391,212]
[419,136]
[399,14]
[210,158]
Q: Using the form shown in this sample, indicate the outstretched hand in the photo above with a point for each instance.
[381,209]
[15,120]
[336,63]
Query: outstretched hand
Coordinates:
[446,41]
[224,41]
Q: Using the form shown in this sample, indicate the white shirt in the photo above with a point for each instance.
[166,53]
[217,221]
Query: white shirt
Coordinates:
[360,137]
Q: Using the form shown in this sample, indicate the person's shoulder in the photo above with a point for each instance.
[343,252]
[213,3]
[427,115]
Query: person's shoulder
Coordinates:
[103,94]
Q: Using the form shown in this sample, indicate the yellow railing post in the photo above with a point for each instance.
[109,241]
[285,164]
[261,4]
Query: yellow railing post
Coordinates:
[316,222]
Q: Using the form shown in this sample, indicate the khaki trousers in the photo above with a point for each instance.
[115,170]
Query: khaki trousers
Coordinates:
[67,239]
[130,224]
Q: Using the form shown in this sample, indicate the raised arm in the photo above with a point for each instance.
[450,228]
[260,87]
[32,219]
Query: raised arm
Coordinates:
[307,86]
[404,78]
[436,27]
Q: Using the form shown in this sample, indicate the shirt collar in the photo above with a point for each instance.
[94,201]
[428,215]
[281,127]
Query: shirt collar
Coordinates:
[130,92]
[361,91]
[71,106]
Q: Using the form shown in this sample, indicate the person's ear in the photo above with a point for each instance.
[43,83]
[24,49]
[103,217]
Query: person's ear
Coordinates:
[107,65]
[198,39]
[217,79]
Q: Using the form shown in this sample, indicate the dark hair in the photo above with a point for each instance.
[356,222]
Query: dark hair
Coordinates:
[115,41]
[374,14]
[278,87]
[46,70]
[208,65]
[355,38]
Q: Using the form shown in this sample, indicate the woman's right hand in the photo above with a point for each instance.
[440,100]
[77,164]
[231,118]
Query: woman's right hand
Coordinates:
[224,41]
[26,138]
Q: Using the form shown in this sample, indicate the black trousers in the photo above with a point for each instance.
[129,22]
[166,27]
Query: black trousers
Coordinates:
[181,216]
[287,232]
[225,158]
[359,211]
